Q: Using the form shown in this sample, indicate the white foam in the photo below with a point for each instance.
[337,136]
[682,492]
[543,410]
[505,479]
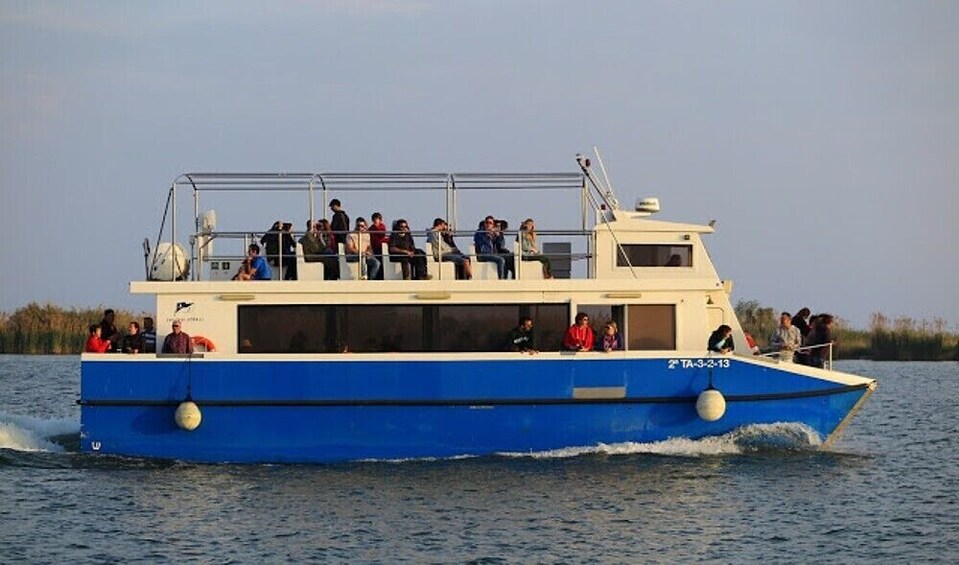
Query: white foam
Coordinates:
[28,433]
[756,437]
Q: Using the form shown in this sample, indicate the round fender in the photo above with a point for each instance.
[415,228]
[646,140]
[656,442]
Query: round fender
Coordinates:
[710,405]
[188,416]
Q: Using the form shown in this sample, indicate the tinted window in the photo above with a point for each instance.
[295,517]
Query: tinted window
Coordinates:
[651,326]
[386,328]
[655,256]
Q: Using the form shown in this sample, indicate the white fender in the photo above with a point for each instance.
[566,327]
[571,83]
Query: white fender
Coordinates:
[188,415]
[710,405]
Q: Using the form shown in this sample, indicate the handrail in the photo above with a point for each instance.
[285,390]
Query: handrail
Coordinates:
[806,348]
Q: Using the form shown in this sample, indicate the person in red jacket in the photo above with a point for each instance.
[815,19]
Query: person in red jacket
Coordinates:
[95,343]
[579,336]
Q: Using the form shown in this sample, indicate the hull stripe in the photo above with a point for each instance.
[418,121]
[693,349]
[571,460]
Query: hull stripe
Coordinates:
[482,401]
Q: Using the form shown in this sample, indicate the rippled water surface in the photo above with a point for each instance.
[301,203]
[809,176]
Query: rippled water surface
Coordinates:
[888,491]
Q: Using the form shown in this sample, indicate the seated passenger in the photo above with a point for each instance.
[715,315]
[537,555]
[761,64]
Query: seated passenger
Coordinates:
[444,249]
[484,242]
[499,242]
[529,249]
[358,243]
[611,340]
[95,343]
[403,250]
[579,336]
[521,338]
[378,237]
[328,250]
[255,267]
[674,261]
[133,342]
[721,340]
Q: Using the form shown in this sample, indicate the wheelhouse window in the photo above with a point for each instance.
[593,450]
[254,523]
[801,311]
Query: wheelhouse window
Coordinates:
[654,255]
[651,327]
[393,328]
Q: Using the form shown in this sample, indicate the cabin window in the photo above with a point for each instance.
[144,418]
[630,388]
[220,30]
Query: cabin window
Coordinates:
[651,327]
[324,328]
[655,255]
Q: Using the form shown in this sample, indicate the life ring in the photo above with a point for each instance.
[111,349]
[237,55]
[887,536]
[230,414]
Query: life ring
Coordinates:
[206,343]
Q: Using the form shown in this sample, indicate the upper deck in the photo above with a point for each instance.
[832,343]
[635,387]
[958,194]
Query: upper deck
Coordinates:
[580,227]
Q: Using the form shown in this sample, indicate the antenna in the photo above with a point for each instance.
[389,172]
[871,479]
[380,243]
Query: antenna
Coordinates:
[609,186]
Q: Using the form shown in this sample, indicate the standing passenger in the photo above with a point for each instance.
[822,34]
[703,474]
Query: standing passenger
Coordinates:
[149,335]
[133,342]
[178,341]
[95,343]
[108,329]
[786,339]
[340,223]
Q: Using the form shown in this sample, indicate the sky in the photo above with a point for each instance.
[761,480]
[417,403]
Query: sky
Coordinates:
[823,137]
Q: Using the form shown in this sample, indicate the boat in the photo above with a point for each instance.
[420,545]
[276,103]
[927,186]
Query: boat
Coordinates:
[312,370]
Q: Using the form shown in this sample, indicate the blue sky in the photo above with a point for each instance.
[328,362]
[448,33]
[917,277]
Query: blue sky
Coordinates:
[822,136]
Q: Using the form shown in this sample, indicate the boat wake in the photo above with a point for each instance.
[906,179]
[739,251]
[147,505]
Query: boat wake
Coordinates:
[31,434]
[782,436]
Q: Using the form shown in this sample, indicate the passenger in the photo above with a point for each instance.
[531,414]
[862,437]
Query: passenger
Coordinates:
[484,243]
[358,243]
[721,340]
[95,343]
[378,236]
[149,334]
[786,339]
[178,341]
[271,243]
[340,223]
[522,338]
[329,250]
[108,329]
[288,252]
[674,261]
[611,340]
[799,320]
[444,249]
[529,249]
[311,243]
[255,268]
[821,335]
[403,251]
[133,342]
[579,336]
[499,242]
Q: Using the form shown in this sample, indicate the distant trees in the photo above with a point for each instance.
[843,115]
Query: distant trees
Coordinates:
[49,329]
[899,339]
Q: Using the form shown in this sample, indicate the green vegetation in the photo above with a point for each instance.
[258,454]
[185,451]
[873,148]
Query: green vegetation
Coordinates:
[48,329]
[900,339]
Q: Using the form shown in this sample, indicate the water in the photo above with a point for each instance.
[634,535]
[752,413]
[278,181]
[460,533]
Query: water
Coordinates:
[888,491]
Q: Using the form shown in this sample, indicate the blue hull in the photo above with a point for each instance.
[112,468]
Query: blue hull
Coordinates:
[339,410]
